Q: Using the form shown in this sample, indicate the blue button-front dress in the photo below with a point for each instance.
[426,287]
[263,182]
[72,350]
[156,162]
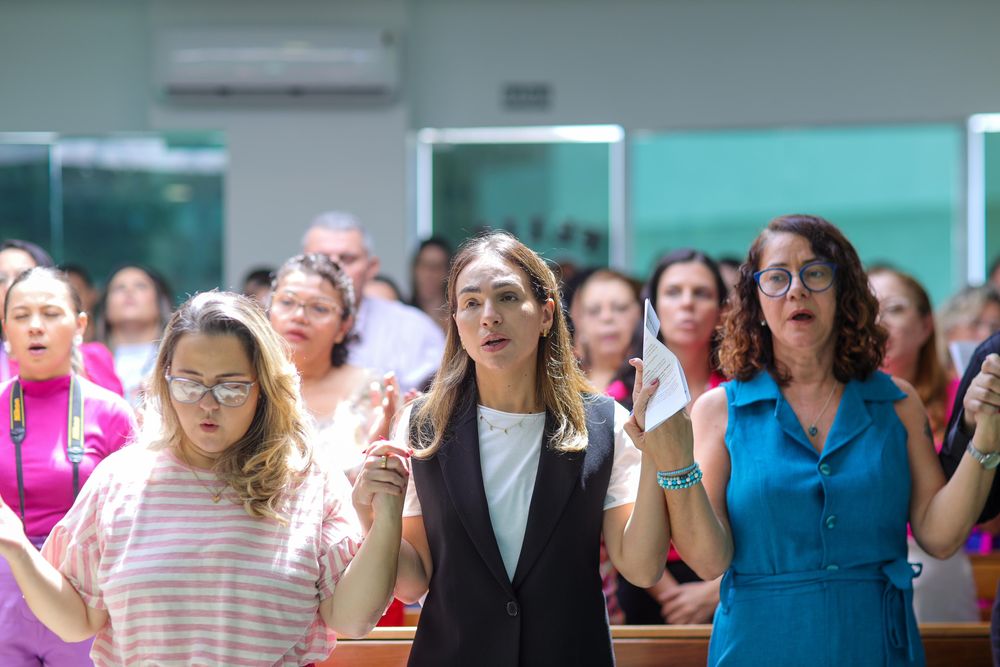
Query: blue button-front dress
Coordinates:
[819,573]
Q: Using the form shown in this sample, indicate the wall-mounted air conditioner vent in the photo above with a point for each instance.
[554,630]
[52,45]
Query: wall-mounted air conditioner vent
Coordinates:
[344,62]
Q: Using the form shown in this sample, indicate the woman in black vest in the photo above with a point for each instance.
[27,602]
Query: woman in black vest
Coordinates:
[519,470]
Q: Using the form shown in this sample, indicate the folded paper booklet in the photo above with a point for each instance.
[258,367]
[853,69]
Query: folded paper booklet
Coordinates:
[659,363]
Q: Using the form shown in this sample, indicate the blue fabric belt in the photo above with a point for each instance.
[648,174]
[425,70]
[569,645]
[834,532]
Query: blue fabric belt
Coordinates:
[900,624]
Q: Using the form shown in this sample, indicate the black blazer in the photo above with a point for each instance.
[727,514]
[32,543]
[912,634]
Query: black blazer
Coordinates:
[553,613]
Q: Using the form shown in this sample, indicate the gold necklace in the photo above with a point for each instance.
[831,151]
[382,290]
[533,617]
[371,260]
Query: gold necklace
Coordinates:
[494,427]
[812,430]
[216,495]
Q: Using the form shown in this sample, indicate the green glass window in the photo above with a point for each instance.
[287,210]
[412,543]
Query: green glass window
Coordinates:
[104,201]
[894,191]
[556,194]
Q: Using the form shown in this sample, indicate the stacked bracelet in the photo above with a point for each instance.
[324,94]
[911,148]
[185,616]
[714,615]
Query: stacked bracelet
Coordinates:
[684,478]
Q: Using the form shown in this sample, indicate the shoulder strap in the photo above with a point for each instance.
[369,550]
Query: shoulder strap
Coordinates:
[74,433]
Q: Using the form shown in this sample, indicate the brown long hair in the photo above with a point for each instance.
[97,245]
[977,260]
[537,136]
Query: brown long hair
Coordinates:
[274,454]
[931,381]
[747,347]
[559,382]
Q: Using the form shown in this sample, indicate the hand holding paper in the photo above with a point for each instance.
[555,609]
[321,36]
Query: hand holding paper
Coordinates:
[659,363]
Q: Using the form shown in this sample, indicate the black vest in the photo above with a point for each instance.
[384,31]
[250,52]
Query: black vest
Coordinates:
[553,613]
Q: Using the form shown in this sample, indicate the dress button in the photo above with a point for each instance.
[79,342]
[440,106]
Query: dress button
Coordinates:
[832,567]
[512,608]
[831,521]
[824,469]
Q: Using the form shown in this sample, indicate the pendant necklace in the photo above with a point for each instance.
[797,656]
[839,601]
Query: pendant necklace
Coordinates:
[812,430]
[216,495]
[494,427]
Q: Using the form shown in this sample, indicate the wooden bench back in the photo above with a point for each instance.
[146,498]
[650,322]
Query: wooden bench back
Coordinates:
[986,573]
[946,645]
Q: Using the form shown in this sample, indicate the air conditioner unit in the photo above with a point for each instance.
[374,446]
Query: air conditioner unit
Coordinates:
[343,62]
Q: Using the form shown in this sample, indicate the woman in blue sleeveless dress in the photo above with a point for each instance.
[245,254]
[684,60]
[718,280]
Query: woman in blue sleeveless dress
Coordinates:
[817,461]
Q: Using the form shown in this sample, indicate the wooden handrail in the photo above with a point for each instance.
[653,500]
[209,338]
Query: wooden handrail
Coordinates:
[945,644]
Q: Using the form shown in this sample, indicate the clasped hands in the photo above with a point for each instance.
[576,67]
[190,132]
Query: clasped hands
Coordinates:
[982,406]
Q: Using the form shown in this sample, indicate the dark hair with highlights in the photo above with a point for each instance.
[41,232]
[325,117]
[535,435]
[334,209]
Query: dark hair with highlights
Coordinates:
[318,264]
[747,347]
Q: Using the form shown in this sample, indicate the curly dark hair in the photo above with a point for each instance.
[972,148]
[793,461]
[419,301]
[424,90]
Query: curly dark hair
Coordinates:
[860,341]
[321,265]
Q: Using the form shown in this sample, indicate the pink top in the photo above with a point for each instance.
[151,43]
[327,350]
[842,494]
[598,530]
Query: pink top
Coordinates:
[48,473]
[189,581]
[98,367]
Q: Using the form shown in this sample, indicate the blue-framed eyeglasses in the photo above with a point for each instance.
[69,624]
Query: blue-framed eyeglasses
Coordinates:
[228,394]
[814,276]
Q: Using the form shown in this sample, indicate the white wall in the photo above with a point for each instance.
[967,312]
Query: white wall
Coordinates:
[290,160]
[707,63]
[75,66]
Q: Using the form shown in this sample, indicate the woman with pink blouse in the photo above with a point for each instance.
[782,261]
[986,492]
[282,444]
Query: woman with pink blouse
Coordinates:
[44,462]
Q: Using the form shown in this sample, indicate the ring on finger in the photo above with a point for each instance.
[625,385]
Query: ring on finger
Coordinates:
[385,461]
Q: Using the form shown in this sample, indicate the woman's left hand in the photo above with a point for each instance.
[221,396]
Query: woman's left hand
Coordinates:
[670,443]
[380,488]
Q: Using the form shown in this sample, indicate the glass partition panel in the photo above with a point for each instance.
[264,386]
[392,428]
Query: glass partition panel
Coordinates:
[553,189]
[893,190]
[25,192]
[154,199]
[145,200]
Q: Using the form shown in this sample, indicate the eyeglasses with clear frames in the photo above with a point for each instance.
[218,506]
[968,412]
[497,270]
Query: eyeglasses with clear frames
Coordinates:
[315,310]
[814,276]
[228,394]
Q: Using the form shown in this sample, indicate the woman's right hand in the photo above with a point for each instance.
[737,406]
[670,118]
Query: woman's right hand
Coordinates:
[380,488]
[670,444]
[12,537]
[982,398]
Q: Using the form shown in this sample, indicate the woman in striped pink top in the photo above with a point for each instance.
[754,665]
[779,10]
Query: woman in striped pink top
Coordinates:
[216,539]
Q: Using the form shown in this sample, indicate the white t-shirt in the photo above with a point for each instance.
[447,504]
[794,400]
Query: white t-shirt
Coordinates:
[509,449]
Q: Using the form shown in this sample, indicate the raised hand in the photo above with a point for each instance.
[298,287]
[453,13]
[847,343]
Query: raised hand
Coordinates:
[385,403]
[670,444]
[380,488]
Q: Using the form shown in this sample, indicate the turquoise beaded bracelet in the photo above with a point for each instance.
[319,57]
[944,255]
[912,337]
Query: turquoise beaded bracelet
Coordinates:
[678,473]
[686,480]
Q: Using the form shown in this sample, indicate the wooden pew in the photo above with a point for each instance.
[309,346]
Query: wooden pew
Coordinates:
[946,645]
[986,573]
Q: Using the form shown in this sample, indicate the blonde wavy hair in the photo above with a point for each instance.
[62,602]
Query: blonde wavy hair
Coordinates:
[272,457]
[559,382]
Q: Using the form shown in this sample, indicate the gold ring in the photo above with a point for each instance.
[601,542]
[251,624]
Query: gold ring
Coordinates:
[385,461]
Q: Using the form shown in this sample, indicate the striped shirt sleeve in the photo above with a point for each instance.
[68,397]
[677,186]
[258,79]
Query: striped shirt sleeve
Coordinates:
[340,536]
[73,547]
